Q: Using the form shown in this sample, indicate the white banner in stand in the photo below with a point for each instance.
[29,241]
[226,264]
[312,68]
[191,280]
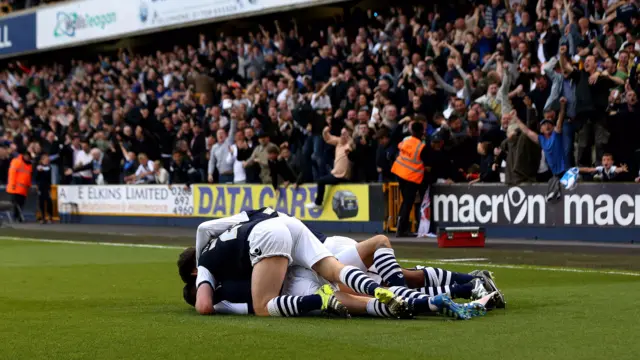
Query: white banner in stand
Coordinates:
[126,200]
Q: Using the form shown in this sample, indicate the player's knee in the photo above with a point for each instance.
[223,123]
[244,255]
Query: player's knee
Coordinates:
[260,307]
[382,241]
[329,268]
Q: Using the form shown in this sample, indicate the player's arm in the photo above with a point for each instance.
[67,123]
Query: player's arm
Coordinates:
[213,228]
[204,292]
[204,299]
[227,307]
[587,170]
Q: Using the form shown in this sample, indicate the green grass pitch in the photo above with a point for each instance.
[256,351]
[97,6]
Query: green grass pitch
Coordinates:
[70,301]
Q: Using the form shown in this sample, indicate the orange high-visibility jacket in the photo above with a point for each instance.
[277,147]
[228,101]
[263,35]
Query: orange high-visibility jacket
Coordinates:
[408,165]
[19,177]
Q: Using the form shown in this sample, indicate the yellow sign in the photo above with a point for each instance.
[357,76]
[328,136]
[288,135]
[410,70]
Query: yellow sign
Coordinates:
[341,202]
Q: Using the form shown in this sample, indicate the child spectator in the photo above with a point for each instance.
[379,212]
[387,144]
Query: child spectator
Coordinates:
[607,171]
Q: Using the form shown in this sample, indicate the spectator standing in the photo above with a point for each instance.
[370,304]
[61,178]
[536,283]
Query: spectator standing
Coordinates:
[260,156]
[4,165]
[364,156]
[81,175]
[238,154]
[279,169]
[592,99]
[43,182]
[19,183]
[181,171]
[550,140]
[144,173]
[219,156]
[341,165]
[160,174]
[409,168]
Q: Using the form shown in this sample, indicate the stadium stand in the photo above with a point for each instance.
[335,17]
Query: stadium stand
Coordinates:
[246,107]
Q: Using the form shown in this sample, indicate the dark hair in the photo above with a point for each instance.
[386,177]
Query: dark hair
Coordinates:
[186,264]
[273,150]
[382,133]
[417,129]
[608,155]
[189,293]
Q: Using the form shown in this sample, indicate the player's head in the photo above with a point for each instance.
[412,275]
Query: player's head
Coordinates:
[187,265]
[607,160]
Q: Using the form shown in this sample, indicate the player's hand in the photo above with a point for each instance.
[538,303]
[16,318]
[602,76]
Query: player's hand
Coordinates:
[494,167]
[210,177]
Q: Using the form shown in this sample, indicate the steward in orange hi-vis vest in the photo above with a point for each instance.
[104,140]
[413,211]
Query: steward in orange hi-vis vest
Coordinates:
[408,165]
[20,172]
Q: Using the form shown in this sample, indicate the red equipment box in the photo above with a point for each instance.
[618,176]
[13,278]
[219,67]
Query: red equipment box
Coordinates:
[461,237]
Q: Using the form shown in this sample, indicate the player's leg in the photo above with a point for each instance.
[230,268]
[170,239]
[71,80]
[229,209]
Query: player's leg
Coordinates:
[434,281]
[377,252]
[270,249]
[309,252]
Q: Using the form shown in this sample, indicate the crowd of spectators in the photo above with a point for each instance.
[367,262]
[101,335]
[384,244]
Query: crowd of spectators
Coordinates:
[291,105]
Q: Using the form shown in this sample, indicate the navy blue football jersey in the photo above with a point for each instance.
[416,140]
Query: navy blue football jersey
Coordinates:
[227,256]
[234,291]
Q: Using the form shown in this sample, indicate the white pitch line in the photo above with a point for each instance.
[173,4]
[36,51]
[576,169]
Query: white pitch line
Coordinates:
[526,267]
[431,262]
[462,260]
[50,241]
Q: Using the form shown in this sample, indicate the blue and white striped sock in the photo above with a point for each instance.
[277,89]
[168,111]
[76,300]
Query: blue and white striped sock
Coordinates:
[378,309]
[288,306]
[419,301]
[358,281]
[455,291]
[384,260]
[441,277]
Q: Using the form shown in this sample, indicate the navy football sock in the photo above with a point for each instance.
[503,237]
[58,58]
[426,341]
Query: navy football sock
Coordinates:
[293,305]
[455,291]
[442,277]
[461,291]
[385,262]
[419,301]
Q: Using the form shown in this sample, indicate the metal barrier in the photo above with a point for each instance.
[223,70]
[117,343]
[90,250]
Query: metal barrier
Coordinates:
[393,200]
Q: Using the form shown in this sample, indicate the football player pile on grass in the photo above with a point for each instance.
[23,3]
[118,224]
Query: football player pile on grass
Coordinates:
[270,264]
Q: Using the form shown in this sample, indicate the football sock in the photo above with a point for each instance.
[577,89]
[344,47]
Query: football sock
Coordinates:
[358,281]
[442,277]
[419,301]
[293,305]
[378,309]
[455,291]
[384,260]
